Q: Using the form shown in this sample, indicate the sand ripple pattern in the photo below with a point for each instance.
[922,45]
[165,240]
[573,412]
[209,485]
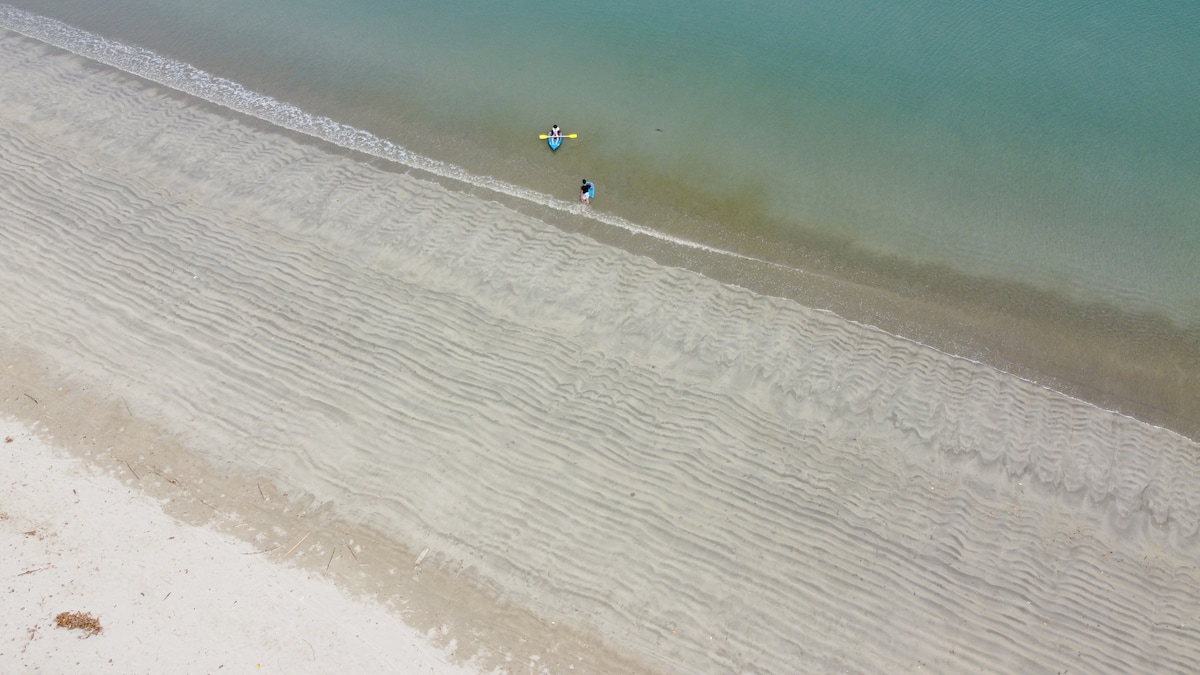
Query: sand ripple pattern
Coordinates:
[718,481]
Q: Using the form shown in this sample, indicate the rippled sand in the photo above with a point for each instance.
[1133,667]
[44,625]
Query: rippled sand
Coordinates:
[680,473]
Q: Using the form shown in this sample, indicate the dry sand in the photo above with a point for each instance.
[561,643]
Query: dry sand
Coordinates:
[560,457]
[170,597]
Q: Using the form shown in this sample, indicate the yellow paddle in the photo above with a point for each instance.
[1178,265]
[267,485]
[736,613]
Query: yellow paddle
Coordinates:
[545,136]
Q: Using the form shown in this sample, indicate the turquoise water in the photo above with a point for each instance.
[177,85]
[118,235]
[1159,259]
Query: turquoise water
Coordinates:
[1052,143]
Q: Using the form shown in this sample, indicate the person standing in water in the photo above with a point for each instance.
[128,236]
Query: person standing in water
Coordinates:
[585,192]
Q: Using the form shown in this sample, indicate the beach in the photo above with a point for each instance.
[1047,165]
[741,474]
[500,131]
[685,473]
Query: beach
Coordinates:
[519,449]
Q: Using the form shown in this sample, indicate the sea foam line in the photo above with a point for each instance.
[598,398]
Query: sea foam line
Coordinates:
[226,93]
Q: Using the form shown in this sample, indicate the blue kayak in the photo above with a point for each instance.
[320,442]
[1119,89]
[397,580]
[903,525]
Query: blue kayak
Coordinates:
[554,142]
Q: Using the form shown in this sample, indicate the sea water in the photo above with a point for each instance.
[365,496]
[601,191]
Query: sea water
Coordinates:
[1051,142]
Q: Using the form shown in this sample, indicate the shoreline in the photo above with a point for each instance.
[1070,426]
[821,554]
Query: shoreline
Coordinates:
[616,461]
[168,596]
[271,577]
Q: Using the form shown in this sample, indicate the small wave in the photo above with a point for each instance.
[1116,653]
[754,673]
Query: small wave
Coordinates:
[228,94]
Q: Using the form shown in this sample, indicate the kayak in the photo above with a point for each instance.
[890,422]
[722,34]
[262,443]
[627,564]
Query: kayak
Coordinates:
[555,142]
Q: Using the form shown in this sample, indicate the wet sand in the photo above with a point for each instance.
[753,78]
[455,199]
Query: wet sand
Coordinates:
[552,447]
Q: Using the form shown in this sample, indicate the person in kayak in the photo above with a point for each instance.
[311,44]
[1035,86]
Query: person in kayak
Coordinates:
[555,132]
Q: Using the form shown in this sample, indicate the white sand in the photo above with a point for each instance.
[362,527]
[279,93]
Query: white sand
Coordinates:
[171,597]
[594,458]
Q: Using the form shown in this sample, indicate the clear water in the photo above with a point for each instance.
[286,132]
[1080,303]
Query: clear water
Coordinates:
[1051,142]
